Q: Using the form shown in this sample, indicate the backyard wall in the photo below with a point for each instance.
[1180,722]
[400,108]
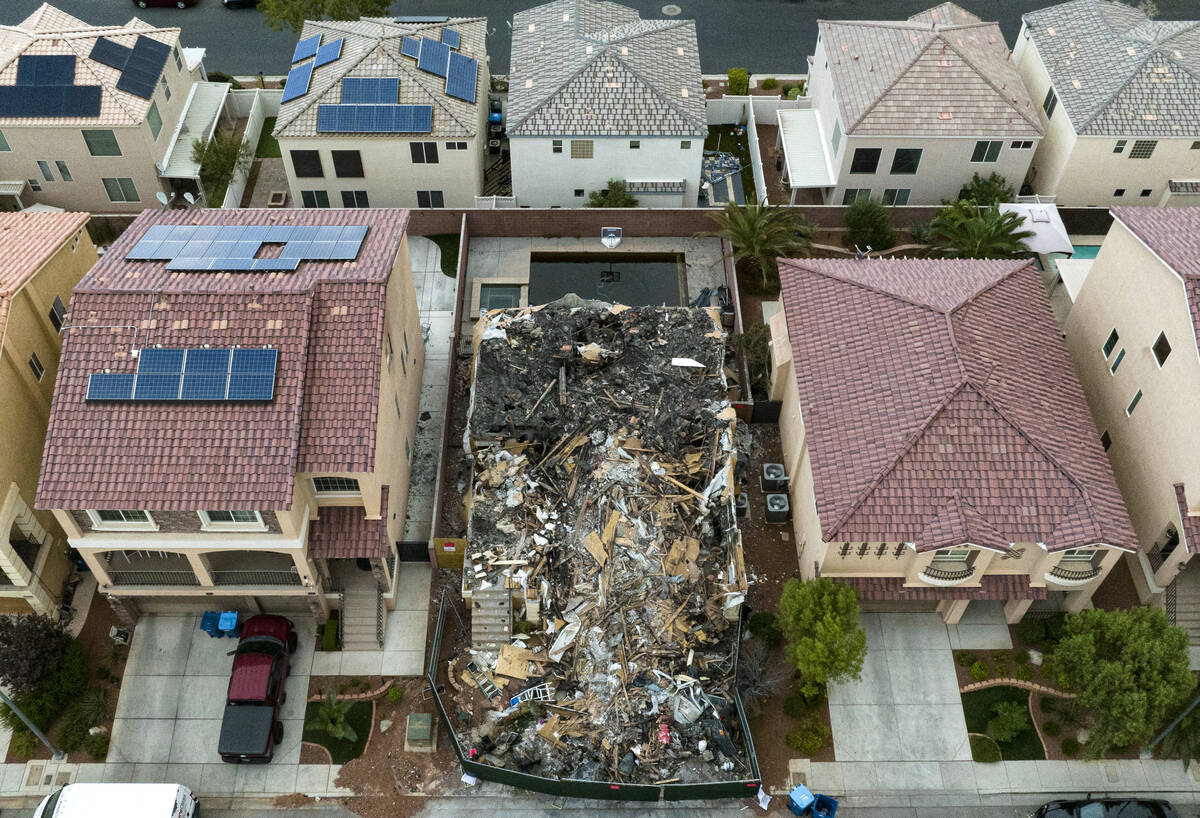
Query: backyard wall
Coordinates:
[255,114]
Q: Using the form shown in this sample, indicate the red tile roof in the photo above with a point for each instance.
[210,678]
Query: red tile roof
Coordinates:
[991,586]
[941,407]
[325,319]
[343,532]
[1173,233]
[27,241]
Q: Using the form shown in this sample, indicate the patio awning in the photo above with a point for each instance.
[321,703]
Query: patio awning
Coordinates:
[1073,271]
[1049,233]
[344,532]
[199,121]
[804,149]
[12,187]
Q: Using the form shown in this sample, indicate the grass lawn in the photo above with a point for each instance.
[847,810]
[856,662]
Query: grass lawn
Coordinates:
[448,244]
[268,147]
[978,710]
[360,717]
[724,139]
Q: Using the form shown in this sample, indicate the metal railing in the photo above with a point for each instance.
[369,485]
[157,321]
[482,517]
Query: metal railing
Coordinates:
[1072,575]
[948,574]
[267,577]
[391,562]
[176,578]
[1170,596]
[336,584]
[380,612]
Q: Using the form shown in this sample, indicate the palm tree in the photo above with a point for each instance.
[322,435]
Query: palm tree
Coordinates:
[332,717]
[963,229]
[759,235]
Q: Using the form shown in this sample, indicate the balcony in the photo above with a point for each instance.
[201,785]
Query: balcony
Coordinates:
[1081,575]
[252,568]
[947,575]
[150,568]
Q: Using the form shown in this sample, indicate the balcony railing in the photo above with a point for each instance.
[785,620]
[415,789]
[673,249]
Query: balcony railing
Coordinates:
[941,575]
[284,577]
[153,577]
[1073,576]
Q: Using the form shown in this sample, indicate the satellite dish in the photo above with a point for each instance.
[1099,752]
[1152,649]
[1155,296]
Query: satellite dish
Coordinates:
[190,198]
[610,237]
[162,198]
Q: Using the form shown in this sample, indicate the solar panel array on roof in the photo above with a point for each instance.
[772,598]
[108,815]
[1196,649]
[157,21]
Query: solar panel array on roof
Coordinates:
[306,48]
[297,82]
[451,37]
[46,70]
[50,100]
[328,53]
[233,247]
[106,52]
[371,90]
[462,77]
[410,47]
[144,67]
[374,118]
[435,57]
[227,374]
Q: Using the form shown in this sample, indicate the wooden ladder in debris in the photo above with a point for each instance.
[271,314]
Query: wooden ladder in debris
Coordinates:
[491,618]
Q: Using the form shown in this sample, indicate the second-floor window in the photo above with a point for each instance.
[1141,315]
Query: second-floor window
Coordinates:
[35,366]
[423,153]
[121,519]
[906,160]
[865,160]
[307,164]
[231,519]
[1162,348]
[336,486]
[1110,343]
[1050,103]
[154,120]
[986,151]
[347,164]
[1143,148]
[581,148]
[837,136]
[58,314]
[102,143]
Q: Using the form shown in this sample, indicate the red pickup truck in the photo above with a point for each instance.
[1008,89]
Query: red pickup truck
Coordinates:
[251,727]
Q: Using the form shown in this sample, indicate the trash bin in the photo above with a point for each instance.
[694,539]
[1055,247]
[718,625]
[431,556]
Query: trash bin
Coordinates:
[800,799]
[824,806]
[228,623]
[210,624]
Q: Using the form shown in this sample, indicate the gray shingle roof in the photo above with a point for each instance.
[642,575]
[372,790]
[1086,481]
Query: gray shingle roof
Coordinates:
[942,72]
[1118,73]
[594,68]
[371,48]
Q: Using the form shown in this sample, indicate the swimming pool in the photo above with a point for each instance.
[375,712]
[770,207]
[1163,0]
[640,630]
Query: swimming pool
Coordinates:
[1085,251]
[636,279]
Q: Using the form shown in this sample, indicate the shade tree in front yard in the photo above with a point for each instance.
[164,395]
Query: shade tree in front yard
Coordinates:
[825,642]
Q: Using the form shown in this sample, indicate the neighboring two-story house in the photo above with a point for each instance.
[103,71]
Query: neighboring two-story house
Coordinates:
[99,118]
[1118,98]
[235,410]
[939,447]
[907,111]
[386,113]
[597,93]
[44,256]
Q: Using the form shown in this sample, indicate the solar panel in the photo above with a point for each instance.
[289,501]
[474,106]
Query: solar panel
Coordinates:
[451,37]
[46,70]
[144,67]
[50,101]
[254,361]
[371,90]
[328,52]
[205,374]
[233,247]
[411,47]
[106,52]
[374,118]
[251,387]
[110,386]
[434,57]
[252,374]
[297,82]
[462,76]
[157,385]
[306,48]
[153,359]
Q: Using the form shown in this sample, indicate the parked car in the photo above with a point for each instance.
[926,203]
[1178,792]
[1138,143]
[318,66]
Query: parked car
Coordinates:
[239,4]
[1108,808]
[119,801]
[251,728]
[179,4]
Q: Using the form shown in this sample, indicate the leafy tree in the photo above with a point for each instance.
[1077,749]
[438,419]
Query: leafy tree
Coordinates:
[223,156]
[1010,720]
[1129,667]
[760,234]
[615,195]
[825,643]
[963,229]
[293,13]
[738,81]
[988,191]
[1184,740]
[30,647]
[333,718]
[869,224]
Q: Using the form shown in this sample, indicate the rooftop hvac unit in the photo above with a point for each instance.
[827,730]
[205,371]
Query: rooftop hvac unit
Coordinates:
[774,477]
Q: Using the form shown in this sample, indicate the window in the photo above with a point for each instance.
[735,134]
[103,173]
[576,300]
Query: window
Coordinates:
[178,62]
[387,351]
[906,160]
[404,366]
[314,198]
[341,486]
[1118,193]
[120,190]
[154,120]
[1110,343]
[578,193]
[423,153]
[228,519]
[1195,145]
[407,450]
[307,164]
[404,342]
[35,185]
[35,365]
[63,171]
[556,146]
[4,143]
[581,149]
[166,89]
[1145,192]
[896,196]
[44,167]
[686,145]
[499,296]
[1106,440]
[1078,555]
[837,136]
[347,164]
[865,160]
[852,194]
[1137,397]
[456,146]
[102,143]
[1142,148]
[1120,146]
[58,314]
[1021,144]
[986,151]
[354,198]
[635,144]
[114,519]
[430,198]
[1112,369]
[953,555]
[1050,103]
[1162,348]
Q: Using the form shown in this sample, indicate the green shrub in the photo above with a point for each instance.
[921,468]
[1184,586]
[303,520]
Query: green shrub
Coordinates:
[1025,673]
[1070,747]
[329,635]
[1022,656]
[71,736]
[1056,628]
[23,743]
[794,93]
[770,84]
[979,671]
[96,746]
[984,750]
[57,690]
[1031,631]
[92,708]
[738,81]
[1052,728]
[1011,719]
[796,705]
[868,224]
[765,626]
[809,737]
[965,659]
[1049,704]
[1002,657]
[395,694]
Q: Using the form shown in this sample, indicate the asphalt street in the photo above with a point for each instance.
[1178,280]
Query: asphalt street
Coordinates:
[761,35]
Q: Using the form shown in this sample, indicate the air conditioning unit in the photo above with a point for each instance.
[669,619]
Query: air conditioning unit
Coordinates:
[743,504]
[774,478]
[778,508]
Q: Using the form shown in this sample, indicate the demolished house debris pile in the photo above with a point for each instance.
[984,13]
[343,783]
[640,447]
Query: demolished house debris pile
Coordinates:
[602,521]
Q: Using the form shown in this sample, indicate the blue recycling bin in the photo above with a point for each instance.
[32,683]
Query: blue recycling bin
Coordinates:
[824,806]
[228,623]
[210,624]
[800,799]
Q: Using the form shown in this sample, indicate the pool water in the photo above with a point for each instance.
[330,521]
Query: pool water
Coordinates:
[636,279]
[1086,251]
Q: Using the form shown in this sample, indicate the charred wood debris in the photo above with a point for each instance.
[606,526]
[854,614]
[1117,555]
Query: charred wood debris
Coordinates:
[602,521]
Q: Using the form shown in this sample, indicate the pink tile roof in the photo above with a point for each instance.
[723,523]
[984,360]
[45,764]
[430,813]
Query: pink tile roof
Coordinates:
[941,407]
[27,241]
[325,319]
[1173,233]
[342,532]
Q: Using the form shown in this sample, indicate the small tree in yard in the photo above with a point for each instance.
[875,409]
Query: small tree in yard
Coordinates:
[1129,667]
[220,159]
[825,643]
[760,234]
[30,647]
[738,80]
[615,195]
[963,229]
[988,191]
[333,718]
[293,13]
[869,224]
[1010,720]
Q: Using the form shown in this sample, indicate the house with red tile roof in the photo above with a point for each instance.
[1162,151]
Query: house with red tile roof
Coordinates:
[42,256]
[1132,333]
[939,447]
[235,410]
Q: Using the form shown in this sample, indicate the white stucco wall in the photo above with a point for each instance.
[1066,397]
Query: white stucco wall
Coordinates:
[542,178]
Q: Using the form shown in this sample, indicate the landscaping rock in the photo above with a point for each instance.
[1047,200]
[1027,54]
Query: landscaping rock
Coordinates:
[385,725]
[1083,735]
[1035,657]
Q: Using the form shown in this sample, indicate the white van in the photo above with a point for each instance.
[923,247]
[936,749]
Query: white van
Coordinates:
[120,801]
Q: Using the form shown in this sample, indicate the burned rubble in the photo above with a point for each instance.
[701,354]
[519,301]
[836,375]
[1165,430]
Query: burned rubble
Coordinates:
[602,523]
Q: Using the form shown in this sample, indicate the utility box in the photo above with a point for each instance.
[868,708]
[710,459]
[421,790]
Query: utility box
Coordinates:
[419,733]
[743,504]
[774,478]
[779,510]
